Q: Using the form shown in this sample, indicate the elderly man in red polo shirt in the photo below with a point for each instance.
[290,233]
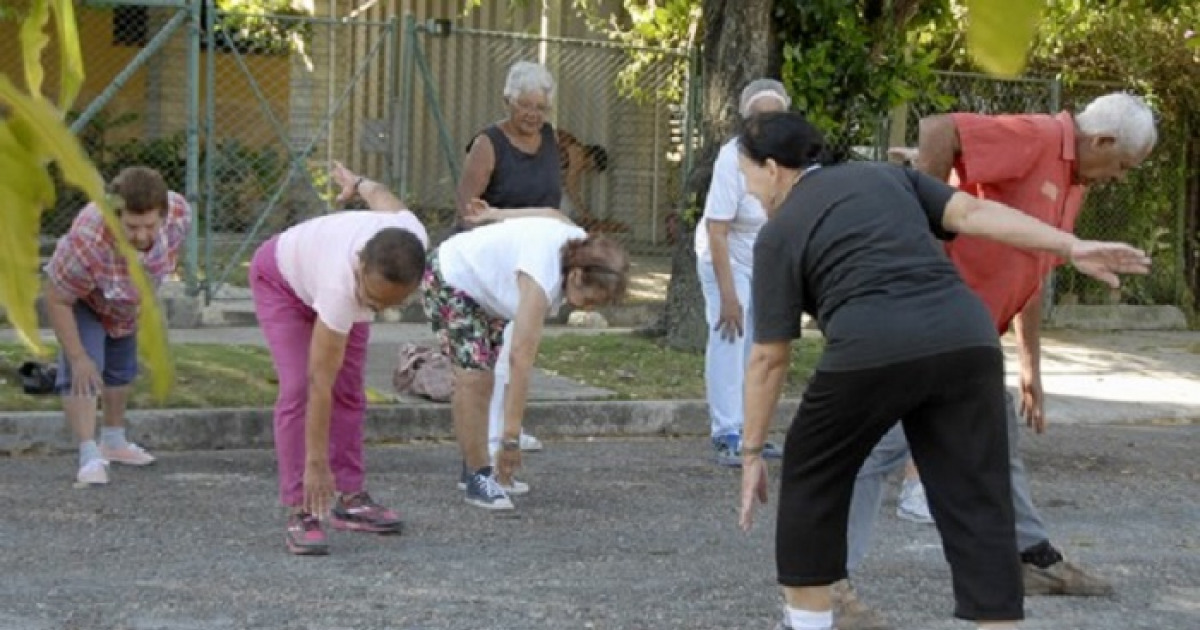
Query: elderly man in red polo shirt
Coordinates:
[1040,164]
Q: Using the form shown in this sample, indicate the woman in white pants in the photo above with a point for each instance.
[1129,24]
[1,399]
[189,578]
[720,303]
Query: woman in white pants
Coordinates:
[725,257]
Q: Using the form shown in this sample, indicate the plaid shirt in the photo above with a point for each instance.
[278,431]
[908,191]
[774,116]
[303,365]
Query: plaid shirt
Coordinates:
[86,264]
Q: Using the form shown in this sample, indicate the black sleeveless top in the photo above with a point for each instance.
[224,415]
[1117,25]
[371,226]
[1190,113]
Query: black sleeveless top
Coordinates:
[523,180]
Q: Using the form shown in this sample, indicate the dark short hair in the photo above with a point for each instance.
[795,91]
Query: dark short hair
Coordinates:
[786,137]
[141,190]
[396,255]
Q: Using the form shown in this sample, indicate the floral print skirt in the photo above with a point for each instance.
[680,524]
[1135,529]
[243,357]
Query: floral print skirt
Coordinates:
[469,335]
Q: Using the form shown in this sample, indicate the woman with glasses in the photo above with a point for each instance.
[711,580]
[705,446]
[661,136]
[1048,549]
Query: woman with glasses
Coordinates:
[514,163]
[316,287]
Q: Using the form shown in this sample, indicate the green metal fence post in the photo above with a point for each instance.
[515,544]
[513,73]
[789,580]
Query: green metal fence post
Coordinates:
[192,177]
[407,99]
[210,206]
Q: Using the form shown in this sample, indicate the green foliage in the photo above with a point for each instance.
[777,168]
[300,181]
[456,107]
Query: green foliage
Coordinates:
[261,27]
[847,63]
[650,30]
[33,136]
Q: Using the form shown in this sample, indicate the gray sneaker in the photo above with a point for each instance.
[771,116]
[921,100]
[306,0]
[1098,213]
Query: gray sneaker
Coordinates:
[1063,578]
[483,491]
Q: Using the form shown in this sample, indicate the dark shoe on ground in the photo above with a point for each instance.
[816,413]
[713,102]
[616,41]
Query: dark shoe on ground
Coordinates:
[360,513]
[1045,571]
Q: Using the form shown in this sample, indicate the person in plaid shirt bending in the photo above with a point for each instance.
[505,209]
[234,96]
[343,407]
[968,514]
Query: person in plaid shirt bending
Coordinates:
[93,306]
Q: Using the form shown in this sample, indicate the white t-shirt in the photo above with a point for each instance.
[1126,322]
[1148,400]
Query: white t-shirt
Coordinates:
[484,262]
[318,257]
[729,200]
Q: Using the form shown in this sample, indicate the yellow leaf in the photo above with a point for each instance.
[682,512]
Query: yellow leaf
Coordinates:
[999,33]
[33,42]
[70,57]
[61,146]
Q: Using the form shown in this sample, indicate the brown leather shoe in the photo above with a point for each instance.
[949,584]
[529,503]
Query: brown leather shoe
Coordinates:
[849,613]
[1063,578]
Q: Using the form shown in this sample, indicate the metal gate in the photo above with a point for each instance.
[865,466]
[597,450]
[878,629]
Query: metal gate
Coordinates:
[284,96]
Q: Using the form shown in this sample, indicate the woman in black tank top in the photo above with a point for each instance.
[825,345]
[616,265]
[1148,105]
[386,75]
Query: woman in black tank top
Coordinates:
[514,163]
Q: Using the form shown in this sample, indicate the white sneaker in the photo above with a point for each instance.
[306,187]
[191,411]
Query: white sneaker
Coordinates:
[516,488]
[93,473]
[131,455]
[913,506]
[530,444]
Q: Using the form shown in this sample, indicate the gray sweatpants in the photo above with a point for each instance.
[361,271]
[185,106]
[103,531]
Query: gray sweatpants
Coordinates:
[889,456]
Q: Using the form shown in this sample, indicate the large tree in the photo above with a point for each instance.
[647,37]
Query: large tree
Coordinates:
[739,45]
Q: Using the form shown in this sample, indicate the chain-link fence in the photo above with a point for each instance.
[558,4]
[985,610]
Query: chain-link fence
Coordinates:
[621,131]
[1147,210]
[132,108]
[288,96]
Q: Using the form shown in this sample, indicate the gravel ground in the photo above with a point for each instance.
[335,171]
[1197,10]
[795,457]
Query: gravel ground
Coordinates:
[617,534]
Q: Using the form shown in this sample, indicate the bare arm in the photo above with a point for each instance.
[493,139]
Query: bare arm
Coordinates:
[482,213]
[477,172]
[527,333]
[1028,326]
[938,146]
[326,350]
[60,310]
[967,214]
[765,376]
[378,197]
[1028,329]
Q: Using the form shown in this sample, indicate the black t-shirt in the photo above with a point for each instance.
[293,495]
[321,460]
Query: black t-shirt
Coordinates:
[853,247]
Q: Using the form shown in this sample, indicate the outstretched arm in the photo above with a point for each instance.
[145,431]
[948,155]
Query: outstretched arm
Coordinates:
[377,196]
[480,213]
[966,214]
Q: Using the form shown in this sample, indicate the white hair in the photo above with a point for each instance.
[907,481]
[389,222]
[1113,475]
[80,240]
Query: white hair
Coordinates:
[1123,116]
[759,89]
[525,77]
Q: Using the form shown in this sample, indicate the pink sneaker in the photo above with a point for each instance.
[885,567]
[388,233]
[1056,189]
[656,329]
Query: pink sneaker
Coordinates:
[305,536]
[359,512]
[93,473]
[130,455]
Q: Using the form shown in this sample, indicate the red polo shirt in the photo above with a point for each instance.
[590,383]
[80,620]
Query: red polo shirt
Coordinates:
[1027,162]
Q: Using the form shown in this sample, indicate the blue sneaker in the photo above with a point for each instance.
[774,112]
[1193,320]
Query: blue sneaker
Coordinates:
[728,450]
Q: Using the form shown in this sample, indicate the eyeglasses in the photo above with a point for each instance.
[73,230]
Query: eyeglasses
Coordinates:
[541,109]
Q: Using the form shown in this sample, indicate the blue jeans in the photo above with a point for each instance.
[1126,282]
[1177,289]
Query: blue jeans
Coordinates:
[889,456]
[115,357]
[725,361]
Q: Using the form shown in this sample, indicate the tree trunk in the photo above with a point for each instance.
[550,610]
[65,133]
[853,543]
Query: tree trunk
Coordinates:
[1191,234]
[739,46]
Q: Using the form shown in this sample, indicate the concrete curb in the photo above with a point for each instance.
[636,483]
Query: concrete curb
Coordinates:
[216,429]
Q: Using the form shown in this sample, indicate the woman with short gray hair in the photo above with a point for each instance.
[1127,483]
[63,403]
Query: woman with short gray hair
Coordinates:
[511,164]
[725,256]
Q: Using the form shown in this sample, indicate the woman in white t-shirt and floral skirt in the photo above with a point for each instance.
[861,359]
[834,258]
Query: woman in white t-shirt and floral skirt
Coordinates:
[725,257]
[316,287]
[519,269]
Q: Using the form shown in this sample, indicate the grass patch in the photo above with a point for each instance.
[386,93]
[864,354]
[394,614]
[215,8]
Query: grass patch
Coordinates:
[644,369]
[206,376]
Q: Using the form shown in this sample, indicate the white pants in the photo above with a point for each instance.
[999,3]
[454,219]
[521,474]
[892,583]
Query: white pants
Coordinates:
[724,360]
[496,408]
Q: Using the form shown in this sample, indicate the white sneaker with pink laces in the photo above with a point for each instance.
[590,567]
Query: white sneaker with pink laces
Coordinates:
[93,473]
[131,455]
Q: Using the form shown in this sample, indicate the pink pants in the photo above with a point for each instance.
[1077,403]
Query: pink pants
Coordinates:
[287,323]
